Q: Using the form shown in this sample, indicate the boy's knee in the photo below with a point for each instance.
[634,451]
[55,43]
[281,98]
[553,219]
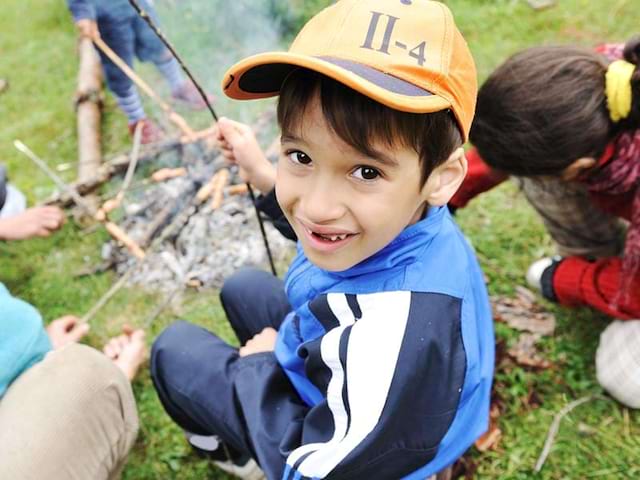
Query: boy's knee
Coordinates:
[618,361]
[170,351]
[90,416]
[86,367]
[237,285]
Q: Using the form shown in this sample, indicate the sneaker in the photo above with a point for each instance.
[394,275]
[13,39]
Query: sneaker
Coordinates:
[151,133]
[540,276]
[535,271]
[247,471]
[188,94]
[237,464]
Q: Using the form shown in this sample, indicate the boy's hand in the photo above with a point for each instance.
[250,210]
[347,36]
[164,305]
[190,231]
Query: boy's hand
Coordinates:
[265,341]
[66,330]
[87,28]
[239,146]
[33,222]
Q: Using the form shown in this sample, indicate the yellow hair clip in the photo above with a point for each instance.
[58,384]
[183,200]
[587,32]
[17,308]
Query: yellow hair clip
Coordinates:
[618,89]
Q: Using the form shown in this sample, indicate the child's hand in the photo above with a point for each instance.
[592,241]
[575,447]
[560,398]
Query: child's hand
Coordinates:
[265,341]
[66,330]
[239,146]
[33,222]
[87,28]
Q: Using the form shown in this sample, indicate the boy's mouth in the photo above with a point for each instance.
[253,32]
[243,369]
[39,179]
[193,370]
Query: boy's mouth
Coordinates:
[331,238]
[326,239]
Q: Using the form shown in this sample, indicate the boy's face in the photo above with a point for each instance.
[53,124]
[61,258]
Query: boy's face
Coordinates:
[343,205]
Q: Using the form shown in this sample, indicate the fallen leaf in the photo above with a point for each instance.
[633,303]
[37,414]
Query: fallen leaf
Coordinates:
[525,353]
[523,313]
[490,440]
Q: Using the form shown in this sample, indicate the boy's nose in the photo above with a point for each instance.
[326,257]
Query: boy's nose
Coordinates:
[322,203]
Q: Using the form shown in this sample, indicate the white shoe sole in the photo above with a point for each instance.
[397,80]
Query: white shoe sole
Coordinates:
[249,471]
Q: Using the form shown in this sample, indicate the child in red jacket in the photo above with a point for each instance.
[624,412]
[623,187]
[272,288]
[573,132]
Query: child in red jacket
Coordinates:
[566,122]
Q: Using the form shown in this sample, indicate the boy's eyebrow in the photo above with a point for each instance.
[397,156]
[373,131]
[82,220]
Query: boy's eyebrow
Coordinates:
[373,154]
[290,137]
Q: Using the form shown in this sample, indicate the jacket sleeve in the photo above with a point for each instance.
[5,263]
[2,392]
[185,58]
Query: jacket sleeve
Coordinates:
[23,340]
[480,178]
[391,369]
[268,205]
[577,281]
[82,9]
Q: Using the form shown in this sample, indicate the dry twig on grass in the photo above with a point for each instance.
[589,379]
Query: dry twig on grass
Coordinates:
[555,426]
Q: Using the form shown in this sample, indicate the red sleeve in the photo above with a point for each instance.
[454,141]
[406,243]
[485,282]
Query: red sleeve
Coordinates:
[577,281]
[479,179]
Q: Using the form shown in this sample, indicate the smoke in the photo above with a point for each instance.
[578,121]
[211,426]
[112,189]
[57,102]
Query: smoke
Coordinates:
[210,36]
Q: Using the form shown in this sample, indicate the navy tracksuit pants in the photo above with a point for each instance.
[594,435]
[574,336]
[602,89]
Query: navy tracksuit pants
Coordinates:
[207,389]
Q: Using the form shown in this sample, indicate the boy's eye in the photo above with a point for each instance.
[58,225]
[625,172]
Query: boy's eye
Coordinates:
[366,173]
[299,157]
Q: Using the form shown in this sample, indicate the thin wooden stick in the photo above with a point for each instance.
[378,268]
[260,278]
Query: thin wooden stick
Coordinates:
[54,176]
[112,204]
[107,296]
[555,426]
[144,86]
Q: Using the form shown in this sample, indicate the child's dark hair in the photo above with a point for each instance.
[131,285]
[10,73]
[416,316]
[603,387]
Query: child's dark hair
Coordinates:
[546,107]
[360,121]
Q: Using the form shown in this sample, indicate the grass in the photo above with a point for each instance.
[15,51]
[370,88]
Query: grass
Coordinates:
[37,56]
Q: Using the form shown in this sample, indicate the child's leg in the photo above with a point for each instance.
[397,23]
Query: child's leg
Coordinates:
[253,300]
[71,416]
[209,390]
[576,225]
[149,48]
[118,33]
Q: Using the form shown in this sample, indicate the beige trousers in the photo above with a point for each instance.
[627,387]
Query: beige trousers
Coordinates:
[71,416]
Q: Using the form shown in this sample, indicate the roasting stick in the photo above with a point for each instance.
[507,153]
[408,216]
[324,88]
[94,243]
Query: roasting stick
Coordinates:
[145,16]
[144,86]
[103,213]
[81,202]
[109,225]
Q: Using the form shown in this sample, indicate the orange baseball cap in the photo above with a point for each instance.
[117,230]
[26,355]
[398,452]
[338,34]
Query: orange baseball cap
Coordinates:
[405,54]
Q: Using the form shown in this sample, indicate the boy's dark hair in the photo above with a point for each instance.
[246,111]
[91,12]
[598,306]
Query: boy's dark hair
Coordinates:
[360,121]
[546,107]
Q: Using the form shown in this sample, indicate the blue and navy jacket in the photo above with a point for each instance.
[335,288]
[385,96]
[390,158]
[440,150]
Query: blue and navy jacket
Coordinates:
[394,357]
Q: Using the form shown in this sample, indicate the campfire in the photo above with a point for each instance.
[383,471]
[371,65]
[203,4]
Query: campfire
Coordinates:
[193,219]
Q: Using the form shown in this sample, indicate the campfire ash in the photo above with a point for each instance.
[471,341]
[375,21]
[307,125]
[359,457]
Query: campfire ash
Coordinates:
[188,244]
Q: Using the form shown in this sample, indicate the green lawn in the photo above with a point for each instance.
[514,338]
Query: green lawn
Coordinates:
[599,439]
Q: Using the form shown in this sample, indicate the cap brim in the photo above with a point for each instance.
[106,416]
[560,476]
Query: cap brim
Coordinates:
[261,76]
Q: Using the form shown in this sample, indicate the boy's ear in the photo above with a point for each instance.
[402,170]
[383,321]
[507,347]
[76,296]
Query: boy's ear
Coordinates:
[445,179]
[578,167]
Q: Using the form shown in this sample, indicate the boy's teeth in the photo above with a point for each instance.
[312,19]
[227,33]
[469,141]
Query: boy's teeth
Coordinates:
[333,238]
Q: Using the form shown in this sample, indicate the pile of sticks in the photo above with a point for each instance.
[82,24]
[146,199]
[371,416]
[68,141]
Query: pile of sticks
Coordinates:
[93,173]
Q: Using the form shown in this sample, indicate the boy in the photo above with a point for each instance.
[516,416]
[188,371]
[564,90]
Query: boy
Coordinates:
[127,34]
[377,362]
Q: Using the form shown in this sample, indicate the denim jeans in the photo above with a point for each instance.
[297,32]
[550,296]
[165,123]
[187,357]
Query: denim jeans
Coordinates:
[128,35]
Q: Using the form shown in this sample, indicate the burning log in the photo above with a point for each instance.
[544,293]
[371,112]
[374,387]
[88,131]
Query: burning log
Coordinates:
[218,191]
[208,188]
[88,101]
[239,189]
[108,170]
[121,236]
[168,173]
